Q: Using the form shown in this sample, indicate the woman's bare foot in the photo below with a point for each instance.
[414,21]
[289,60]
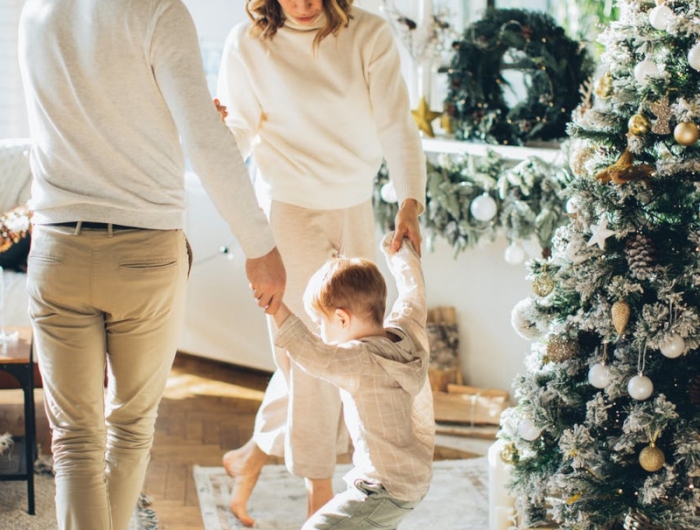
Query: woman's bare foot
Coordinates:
[244,465]
[319,491]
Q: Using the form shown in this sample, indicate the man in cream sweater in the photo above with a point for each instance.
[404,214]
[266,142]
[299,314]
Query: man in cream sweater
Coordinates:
[112,89]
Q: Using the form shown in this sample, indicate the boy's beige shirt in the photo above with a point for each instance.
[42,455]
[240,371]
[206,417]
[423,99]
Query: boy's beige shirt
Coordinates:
[386,394]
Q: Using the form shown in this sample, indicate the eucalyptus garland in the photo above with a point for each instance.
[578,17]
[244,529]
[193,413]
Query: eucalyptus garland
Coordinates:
[552,65]
[529,198]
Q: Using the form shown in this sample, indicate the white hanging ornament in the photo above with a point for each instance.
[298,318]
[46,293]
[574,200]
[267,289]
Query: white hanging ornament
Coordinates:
[640,387]
[673,346]
[514,254]
[573,206]
[388,193]
[483,207]
[694,57]
[572,252]
[528,430]
[644,70]
[661,17]
[599,375]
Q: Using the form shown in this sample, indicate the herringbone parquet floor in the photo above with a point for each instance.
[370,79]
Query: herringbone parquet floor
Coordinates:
[208,408]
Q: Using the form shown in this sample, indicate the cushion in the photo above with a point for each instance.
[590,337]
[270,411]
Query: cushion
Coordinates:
[15,174]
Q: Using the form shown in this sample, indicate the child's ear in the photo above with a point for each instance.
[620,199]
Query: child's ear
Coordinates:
[343,317]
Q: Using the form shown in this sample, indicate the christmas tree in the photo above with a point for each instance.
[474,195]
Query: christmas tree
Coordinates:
[606,431]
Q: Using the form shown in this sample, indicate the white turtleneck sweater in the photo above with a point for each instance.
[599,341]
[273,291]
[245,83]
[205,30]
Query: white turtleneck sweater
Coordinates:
[112,88]
[318,122]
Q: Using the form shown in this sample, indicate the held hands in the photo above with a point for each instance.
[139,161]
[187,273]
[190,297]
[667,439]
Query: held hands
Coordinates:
[221,108]
[407,226]
[267,279]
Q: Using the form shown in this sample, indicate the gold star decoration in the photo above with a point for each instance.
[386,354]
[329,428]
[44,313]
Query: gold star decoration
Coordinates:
[423,116]
[663,113]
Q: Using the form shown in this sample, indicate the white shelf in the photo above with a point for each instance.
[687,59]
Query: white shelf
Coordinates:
[548,152]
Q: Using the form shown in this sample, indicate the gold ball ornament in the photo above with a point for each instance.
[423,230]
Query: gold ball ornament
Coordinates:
[603,86]
[542,285]
[620,316]
[686,133]
[560,349]
[639,124]
[651,458]
[509,454]
[578,159]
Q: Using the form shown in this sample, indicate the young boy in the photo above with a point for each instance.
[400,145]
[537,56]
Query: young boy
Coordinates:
[381,370]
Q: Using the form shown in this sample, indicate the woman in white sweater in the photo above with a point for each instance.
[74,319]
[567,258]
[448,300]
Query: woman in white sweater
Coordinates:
[314,92]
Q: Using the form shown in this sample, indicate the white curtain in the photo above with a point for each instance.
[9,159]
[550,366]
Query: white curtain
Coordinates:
[13,118]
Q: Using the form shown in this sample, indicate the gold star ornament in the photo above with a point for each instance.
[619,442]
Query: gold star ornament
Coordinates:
[423,117]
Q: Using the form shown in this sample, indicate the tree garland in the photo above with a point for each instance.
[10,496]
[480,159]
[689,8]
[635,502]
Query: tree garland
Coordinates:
[553,67]
[527,200]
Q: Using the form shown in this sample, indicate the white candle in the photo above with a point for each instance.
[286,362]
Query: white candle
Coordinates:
[500,502]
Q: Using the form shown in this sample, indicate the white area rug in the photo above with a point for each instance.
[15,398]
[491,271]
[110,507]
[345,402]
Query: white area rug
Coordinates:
[457,500]
[13,507]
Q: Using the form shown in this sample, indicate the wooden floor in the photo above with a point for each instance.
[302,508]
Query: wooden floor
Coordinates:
[208,408]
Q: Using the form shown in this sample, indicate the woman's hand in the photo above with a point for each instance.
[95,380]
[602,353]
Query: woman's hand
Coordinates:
[407,226]
[221,108]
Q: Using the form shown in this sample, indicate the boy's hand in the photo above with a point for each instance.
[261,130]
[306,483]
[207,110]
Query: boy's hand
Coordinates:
[221,108]
[281,315]
[407,226]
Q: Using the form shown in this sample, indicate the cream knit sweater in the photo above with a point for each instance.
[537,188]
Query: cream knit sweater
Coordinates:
[319,122]
[113,87]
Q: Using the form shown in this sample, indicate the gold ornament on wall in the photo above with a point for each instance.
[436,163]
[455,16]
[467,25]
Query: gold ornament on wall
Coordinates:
[651,458]
[423,117]
[639,124]
[543,285]
[560,349]
[620,316]
[686,133]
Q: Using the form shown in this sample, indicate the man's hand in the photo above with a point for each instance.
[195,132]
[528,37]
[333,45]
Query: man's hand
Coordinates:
[267,279]
[407,226]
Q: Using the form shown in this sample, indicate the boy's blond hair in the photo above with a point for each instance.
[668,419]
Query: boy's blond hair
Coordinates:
[267,17]
[353,284]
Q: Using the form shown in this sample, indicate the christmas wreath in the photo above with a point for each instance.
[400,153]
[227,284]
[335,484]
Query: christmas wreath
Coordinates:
[552,65]
[471,199]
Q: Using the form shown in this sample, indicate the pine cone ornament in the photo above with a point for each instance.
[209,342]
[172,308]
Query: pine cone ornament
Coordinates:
[639,250]
[694,390]
[620,316]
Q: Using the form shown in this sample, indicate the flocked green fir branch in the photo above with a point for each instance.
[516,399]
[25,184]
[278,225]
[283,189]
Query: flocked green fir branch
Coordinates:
[529,198]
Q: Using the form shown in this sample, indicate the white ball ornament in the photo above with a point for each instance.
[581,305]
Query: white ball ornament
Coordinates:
[640,387]
[644,70]
[673,346]
[388,193]
[573,205]
[660,17]
[514,254]
[694,57]
[528,430]
[483,207]
[599,375]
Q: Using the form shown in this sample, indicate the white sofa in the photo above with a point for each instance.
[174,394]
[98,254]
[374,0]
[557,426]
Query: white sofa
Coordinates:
[15,183]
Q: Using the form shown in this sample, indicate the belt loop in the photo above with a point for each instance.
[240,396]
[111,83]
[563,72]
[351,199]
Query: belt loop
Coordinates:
[78,227]
[110,233]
